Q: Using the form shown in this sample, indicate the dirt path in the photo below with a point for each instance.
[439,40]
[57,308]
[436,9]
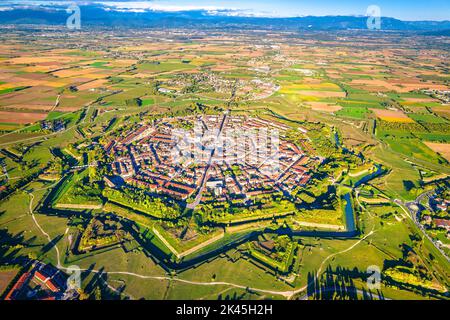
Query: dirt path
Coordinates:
[79,206]
[286,294]
[166,243]
[202,245]
[319,225]
[43,232]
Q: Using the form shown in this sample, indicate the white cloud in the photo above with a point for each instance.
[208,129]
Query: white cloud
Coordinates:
[247,13]
[145,6]
[141,6]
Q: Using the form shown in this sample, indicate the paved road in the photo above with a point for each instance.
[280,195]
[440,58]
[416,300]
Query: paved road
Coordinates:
[412,207]
[198,198]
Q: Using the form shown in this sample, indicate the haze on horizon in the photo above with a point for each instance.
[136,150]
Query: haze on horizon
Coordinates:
[437,10]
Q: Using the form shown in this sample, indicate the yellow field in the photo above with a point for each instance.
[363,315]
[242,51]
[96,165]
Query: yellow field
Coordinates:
[92,84]
[441,148]
[323,106]
[322,94]
[7,86]
[73,72]
[45,59]
[392,116]
[401,86]
[21,117]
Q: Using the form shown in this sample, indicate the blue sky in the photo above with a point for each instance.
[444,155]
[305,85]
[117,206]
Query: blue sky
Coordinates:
[401,9]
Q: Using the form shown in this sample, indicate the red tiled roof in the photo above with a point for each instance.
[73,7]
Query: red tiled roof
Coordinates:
[52,286]
[19,284]
[442,222]
[40,276]
[49,283]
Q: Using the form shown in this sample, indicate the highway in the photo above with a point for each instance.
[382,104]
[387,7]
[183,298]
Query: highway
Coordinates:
[198,198]
[413,208]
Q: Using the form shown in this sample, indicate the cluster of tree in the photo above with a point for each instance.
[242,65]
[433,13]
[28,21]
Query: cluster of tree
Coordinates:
[81,190]
[436,127]
[338,284]
[387,126]
[133,102]
[408,276]
[280,258]
[101,231]
[263,206]
[139,200]
[97,158]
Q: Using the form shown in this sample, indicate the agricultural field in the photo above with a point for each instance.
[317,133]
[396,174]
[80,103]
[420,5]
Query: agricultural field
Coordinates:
[87,140]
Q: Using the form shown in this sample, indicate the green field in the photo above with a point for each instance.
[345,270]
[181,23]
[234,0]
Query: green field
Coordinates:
[268,238]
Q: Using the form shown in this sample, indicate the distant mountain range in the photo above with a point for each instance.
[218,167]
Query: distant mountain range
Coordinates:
[92,15]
